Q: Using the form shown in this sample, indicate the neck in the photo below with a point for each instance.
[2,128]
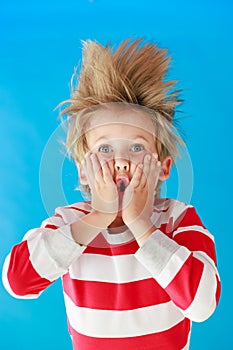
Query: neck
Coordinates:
[117,226]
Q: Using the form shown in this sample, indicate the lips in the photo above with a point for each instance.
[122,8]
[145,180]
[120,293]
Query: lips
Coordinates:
[122,182]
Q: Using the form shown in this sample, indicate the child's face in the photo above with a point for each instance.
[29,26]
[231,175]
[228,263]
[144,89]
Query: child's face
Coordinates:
[122,137]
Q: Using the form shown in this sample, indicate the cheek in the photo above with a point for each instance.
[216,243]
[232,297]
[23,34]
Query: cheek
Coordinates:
[110,164]
[136,158]
[105,156]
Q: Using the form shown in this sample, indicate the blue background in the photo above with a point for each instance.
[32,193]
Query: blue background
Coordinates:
[40,45]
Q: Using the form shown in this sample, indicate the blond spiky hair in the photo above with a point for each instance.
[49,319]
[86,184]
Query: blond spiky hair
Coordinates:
[134,73]
[131,75]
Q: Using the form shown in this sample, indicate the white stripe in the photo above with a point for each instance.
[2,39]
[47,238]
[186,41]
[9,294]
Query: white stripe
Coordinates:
[7,285]
[118,238]
[175,209]
[179,208]
[52,251]
[115,269]
[173,266]
[204,302]
[186,346]
[194,228]
[129,323]
[55,220]
[70,215]
[202,256]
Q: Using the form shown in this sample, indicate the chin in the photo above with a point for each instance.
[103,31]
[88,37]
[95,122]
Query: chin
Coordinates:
[119,214]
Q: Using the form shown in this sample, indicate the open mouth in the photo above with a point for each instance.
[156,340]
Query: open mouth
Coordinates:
[122,182]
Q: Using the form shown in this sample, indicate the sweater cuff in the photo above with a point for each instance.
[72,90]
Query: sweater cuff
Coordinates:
[62,246]
[156,252]
[56,253]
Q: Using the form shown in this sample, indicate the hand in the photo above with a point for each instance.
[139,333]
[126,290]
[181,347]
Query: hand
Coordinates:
[104,195]
[138,199]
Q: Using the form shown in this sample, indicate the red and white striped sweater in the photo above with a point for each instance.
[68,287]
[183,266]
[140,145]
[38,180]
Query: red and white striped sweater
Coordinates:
[117,295]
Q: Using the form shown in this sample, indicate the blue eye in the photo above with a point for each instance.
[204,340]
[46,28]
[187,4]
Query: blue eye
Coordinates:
[137,148]
[104,149]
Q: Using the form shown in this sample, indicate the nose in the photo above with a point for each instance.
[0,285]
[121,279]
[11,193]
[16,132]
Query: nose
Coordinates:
[121,165]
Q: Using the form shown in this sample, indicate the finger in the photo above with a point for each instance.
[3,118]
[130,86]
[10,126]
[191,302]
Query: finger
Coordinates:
[151,170]
[88,169]
[107,176]
[155,169]
[146,169]
[136,179]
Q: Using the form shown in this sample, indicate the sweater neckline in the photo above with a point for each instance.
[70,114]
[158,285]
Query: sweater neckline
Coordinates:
[118,238]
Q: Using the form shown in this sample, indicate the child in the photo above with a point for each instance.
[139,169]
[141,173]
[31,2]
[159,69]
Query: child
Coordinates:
[136,269]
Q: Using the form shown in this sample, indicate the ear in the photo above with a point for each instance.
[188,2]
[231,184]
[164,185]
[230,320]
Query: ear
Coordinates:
[81,174]
[165,169]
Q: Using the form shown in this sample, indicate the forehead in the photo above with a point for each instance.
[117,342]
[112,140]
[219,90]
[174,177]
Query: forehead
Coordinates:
[118,122]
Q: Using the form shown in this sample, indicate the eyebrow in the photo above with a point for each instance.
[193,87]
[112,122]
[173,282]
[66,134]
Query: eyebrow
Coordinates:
[137,137]
[102,138]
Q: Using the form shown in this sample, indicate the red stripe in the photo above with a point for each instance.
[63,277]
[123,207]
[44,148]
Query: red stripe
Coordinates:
[174,338]
[188,218]
[53,227]
[22,277]
[58,215]
[113,296]
[161,210]
[183,287]
[100,246]
[195,241]
[79,209]
[218,290]
[167,228]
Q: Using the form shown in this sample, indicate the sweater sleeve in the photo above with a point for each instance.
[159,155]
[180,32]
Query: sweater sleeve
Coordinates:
[184,264]
[44,255]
